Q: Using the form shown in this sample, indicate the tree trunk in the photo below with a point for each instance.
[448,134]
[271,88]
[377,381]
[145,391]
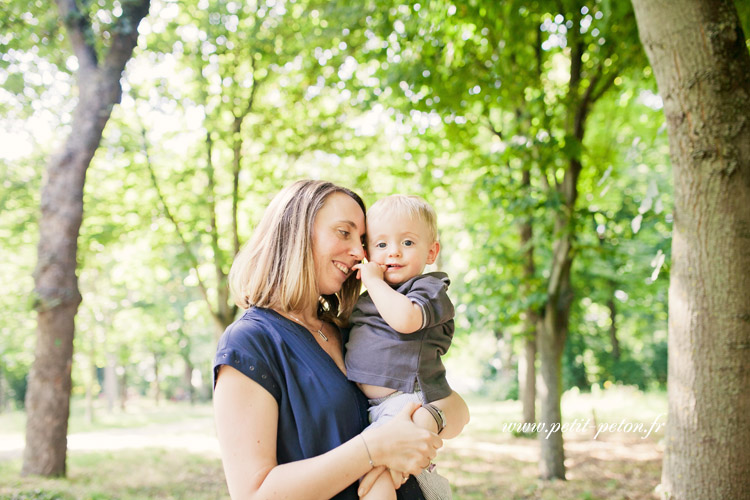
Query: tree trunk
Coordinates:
[123,390]
[527,362]
[702,66]
[56,283]
[551,341]
[156,385]
[188,377]
[554,329]
[527,379]
[90,382]
[612,305]
[111,390]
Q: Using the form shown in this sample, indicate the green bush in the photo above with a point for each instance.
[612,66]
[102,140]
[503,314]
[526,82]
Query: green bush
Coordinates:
[14,381]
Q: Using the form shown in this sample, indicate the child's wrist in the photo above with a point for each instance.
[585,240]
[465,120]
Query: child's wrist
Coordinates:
[424,419]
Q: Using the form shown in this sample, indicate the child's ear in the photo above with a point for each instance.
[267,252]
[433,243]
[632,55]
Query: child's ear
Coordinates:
[433,253]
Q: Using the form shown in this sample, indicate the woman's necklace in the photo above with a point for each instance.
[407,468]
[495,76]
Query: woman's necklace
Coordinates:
[319,330]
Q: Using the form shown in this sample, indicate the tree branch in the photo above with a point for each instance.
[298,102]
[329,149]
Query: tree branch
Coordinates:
[498,133]
[80,33]
[211,198]
[606,84]
[170,216]
[125,34]
[237,139]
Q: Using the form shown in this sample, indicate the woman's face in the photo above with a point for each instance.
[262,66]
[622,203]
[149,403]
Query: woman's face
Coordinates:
[338,234]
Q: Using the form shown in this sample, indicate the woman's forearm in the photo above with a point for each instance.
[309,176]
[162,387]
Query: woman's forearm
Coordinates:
[246,425]
[319,477]
[398,445]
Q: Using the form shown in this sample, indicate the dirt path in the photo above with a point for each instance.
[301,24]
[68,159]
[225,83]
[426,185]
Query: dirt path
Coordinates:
[194,435]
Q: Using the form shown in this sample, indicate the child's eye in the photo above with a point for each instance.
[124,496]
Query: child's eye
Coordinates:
[380,245]
[408,243]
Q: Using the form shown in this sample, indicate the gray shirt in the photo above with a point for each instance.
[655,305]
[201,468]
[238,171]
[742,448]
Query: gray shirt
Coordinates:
[376,354]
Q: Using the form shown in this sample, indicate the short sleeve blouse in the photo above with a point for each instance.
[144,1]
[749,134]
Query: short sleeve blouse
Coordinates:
[319,409]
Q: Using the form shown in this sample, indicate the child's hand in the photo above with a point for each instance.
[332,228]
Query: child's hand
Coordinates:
[365,484]
[367,271]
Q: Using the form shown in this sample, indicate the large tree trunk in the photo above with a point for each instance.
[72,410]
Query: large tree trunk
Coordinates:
[702,66]
[56,283]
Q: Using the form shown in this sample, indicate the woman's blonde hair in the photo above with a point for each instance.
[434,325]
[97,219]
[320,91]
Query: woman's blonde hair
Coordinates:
[276,268]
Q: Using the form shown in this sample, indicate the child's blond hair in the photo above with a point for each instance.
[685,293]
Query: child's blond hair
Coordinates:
[412,206]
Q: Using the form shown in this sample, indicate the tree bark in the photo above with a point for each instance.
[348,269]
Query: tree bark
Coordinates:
[612,305]
[527,362]
[527,379]
[551,341]
[111,389]
[702,67]
[156,386]
[56,283]
[188,378]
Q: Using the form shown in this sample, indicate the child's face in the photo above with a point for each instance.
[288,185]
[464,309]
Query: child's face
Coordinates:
[402,244]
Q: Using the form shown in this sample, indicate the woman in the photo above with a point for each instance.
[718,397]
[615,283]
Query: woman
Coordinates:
[289,423]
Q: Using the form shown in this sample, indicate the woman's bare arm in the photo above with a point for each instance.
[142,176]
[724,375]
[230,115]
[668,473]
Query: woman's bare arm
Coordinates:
[246,422]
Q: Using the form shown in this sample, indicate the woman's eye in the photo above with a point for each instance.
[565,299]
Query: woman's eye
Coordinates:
[344,233]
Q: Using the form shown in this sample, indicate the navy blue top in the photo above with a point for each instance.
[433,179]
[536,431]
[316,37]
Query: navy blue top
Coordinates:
[319,409]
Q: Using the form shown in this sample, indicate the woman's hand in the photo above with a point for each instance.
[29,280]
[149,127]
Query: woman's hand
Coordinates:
[402,446]
[398,478]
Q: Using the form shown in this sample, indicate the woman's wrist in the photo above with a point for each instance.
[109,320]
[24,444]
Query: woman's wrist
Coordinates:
[372,440]
[367,449]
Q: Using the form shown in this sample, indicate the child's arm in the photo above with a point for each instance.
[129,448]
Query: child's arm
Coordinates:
[456,413]
[397,310]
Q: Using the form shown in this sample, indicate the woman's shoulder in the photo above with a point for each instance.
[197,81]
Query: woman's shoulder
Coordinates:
[256,326]
[252,345]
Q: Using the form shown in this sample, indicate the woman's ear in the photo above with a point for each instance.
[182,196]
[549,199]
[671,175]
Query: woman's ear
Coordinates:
[433,253]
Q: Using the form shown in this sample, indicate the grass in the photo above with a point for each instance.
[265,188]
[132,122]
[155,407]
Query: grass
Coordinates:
[486,462]
[138,412]
[125,475]
[489,462]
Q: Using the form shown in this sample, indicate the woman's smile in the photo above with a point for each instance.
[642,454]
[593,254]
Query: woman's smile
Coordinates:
[337,238]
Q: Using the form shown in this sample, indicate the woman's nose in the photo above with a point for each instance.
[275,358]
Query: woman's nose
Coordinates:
[358,252]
